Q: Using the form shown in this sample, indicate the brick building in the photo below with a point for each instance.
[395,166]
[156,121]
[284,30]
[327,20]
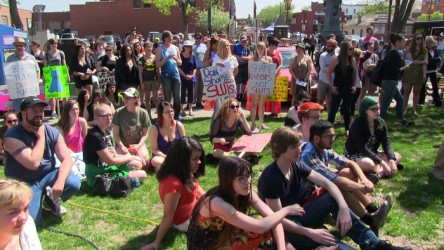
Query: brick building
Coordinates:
[25,17]
[119,16]
[430,6]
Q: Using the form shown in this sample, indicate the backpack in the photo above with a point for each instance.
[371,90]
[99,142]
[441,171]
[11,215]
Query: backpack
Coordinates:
[377,73]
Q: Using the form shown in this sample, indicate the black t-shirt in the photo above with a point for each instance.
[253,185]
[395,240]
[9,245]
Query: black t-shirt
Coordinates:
[392,63]
[95,141]
[273,184]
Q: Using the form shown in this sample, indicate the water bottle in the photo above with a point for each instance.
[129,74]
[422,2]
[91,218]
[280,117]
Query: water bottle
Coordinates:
[57,202]
[135,181]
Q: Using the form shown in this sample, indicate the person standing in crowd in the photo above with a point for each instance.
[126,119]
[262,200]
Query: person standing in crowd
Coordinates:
[187,71]
[367,63]
[83,69]
[39,55]
[10,120]
[357,54]
[211,51]
[276,57]
[149,77]
[17,228]
[138,51]
[20,54]
[434,61]
[199,50]
[99,155]
[164,134]
[131,38]
[168,59]
[72,127]
[107,62]
[393,65]
[324,88]
[130,127]
[214,226]
[369,38]
[54,57]
[100,50]
[367,132]
[343,85]
[127,71]
[300,69]
[30,150]
[258,100]
[178,186]
[415,75]
[242,52]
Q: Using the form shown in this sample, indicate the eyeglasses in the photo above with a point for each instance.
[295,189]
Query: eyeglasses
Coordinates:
[19,45]
[107,50]
[330,136]
[105,115]
[12,121]
[198,38]
[374,109]
[243,178]
[234,106]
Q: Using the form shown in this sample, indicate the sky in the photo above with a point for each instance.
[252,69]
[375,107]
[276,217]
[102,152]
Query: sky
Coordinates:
[243,7]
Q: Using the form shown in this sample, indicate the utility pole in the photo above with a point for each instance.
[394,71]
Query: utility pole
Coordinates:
[210,31]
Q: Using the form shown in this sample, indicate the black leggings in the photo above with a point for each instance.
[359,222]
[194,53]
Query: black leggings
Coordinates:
[187,86]
[346,95]
[436,98]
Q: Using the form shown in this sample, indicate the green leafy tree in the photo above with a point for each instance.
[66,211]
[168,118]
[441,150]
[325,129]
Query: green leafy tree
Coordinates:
[219,18]
[434,16]
[164,7]
[373,7]
[269,14]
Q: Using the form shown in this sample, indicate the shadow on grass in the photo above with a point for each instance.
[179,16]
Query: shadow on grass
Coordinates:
[142,240]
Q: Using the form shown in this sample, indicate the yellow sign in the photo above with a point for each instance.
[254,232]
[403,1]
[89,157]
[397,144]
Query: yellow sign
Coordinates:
[280,93]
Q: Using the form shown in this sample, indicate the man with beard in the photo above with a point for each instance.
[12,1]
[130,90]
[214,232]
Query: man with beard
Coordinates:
[29,151]
[354,185]
[130,128]
[324,89]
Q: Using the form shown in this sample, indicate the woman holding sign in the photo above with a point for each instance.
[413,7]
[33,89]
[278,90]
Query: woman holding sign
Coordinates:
[261,57]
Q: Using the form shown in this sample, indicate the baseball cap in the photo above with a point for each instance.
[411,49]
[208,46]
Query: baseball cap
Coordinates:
[31,101]
[156,39]
[243,38]
[300,45]
[132,92]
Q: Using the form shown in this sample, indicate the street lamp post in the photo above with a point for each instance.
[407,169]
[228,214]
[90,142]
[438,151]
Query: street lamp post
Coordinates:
[343,21]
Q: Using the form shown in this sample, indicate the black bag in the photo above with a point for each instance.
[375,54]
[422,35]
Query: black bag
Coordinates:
[102,185]
[121,187]
[377,73]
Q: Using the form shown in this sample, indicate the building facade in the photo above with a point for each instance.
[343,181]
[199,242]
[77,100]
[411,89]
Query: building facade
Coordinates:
[25,17]
[430,6]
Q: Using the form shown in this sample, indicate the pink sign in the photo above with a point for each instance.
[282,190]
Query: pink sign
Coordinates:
[254,143]
[5,103]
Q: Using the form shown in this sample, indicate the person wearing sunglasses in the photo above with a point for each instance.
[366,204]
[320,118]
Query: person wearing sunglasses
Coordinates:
[10,120]
[108,61]
[220,218]
[367,132]
[229,118]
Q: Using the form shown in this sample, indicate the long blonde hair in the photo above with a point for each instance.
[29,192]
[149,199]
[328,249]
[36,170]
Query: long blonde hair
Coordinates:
[13,192]
[220,48]
[224,109]
[260,45]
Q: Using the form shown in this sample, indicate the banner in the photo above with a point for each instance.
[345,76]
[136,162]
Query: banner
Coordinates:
[56,81]
[21,79]
[105,78]
[280,93]
[217,84]
[5,103]
[261,78]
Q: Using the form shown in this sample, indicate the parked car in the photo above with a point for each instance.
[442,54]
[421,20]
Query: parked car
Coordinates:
[68,36]
[109,40]
[287,54]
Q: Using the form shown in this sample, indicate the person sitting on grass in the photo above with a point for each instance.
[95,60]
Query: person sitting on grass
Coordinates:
[229,118]
[97,97]
[354,185]
[72,127]
[220,218]
[10,120]
[292,119]
[164,133]
[178,186]
[367,132]
[17,228]
[308,113]
[99,155]
[284,183]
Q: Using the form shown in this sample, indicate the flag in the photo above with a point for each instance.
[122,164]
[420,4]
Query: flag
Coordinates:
[254,10]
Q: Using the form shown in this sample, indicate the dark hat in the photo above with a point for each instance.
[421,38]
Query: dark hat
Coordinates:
[31,101]
[300,45]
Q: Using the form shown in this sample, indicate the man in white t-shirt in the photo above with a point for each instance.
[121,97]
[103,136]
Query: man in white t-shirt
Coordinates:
[199,50]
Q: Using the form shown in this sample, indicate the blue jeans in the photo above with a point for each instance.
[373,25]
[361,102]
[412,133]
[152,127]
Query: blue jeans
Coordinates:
[390,88]
[72,186]
[172,84]
[315,213]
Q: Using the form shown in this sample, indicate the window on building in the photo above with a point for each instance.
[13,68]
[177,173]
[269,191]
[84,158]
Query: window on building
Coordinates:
[4,20]
[137,4]
[146,5]
[67,24]
[354,11]
[54,25]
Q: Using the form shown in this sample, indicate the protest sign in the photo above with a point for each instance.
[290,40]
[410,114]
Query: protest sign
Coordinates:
[56,81]
[261,78]
[254,143]
[105,78]
[217,84]
[280,93]
[21,78]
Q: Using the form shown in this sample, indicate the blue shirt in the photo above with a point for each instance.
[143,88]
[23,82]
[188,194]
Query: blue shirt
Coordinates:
[170,67]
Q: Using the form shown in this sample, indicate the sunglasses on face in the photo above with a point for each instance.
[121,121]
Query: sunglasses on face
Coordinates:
[234,106]
[12,121]
[107,50]
[19,46]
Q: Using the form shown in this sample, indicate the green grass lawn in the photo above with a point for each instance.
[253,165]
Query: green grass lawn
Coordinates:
[129,223]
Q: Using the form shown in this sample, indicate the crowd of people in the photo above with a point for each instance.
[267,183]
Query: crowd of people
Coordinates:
[295,192]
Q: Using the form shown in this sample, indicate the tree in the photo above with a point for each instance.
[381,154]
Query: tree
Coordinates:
[219,18]
[164,7]
[15,17]
[376,6]
[402,11]
[269,14]
[434,16]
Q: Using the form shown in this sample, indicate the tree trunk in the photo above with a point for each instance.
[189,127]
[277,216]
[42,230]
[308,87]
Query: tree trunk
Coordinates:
[403,9]
[185,18]
[15,18]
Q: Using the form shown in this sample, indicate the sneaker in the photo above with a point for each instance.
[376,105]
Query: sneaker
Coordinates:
[53,114]
[255,131]
[57,212]
[407,122]
[400,166]
[199,106]
[373,177]
[380,216]
[386,245]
